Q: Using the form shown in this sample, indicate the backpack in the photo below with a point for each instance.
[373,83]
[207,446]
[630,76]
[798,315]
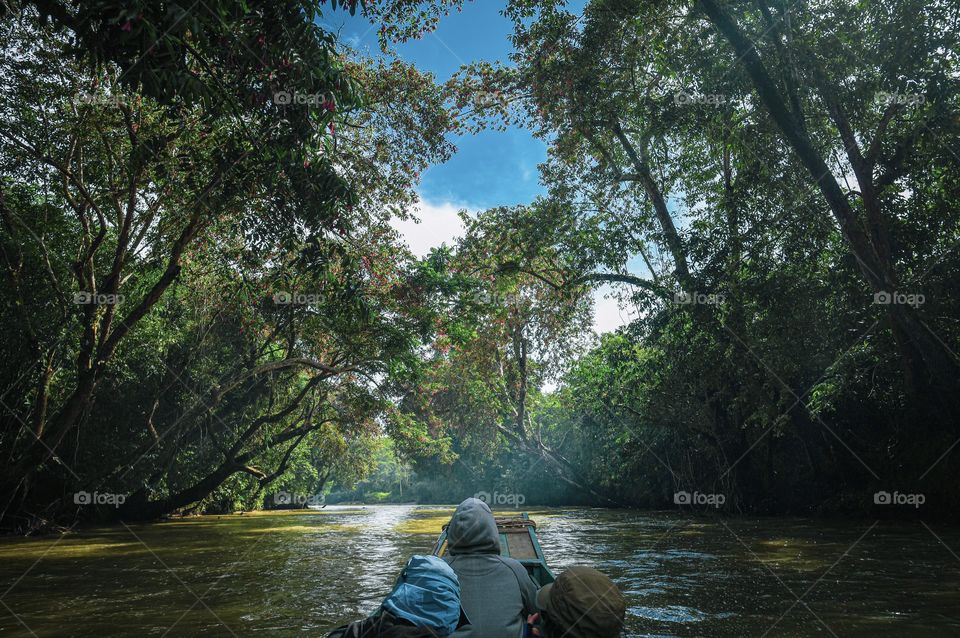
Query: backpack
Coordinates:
[382,625]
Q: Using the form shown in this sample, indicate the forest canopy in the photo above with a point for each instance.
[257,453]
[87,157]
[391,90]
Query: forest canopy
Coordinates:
[206,303]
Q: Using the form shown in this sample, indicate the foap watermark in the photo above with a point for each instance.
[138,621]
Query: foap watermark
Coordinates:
[697,298]
[513,499]
[487,99]
[497,298]
[884,298]
[683,98]
[898,498]
[301,500]
[285,98]
[105,99]
[699,498]
[284,298]
[84,298]
[905,99]
[99,498]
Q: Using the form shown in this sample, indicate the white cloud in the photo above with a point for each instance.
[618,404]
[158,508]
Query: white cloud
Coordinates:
[439,224]
[608,315]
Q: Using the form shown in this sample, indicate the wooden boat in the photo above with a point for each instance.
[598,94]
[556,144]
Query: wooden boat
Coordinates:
[518,540]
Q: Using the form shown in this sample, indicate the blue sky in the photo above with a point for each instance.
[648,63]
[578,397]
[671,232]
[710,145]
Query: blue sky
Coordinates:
[489,169]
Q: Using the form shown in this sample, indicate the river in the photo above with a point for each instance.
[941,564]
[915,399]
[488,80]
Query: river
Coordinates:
[283,574]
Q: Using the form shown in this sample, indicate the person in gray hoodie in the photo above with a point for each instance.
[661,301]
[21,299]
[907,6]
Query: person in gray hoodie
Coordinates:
[495,591]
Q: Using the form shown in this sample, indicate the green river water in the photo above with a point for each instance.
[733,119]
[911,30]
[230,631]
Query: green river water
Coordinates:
[302,573]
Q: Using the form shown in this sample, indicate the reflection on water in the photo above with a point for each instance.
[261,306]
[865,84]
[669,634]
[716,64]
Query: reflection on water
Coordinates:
[302,573]
[696,577]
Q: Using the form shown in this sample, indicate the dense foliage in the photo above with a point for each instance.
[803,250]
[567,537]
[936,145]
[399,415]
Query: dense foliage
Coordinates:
[202,289]
[774,187]
[205,305]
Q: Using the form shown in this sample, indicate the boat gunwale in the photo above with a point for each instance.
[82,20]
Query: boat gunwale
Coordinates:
[537,568]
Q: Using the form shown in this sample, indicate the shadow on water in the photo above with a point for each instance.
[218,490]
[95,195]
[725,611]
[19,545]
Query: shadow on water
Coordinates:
[302,573]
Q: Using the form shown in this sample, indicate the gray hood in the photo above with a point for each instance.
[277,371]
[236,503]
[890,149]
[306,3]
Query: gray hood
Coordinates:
[472,529]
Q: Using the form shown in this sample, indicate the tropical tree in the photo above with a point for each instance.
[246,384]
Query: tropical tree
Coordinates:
[217,258]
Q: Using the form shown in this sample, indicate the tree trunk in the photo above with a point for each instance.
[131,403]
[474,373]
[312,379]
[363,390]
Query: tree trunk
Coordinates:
[932,371]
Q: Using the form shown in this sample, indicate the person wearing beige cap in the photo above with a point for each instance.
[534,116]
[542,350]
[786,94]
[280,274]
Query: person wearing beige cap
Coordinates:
[581,603]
